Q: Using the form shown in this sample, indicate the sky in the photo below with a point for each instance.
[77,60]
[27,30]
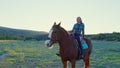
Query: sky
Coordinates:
[99,16]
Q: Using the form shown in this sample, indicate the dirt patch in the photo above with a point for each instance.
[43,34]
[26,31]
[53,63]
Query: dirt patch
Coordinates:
[6,40]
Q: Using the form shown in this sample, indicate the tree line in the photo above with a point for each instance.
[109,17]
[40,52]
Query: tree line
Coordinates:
[115,36]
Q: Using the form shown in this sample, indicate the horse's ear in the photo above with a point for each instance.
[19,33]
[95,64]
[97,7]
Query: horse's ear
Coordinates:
[59,24]
[54,23]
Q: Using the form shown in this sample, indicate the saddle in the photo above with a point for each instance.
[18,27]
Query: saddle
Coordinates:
[83,43]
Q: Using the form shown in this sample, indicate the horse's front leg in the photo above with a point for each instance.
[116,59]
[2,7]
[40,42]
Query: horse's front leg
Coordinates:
[64,63]
[73,63]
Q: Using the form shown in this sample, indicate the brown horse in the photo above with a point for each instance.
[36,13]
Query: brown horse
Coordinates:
[68,50]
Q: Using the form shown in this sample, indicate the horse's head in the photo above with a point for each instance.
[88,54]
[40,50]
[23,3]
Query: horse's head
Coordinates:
[54,35]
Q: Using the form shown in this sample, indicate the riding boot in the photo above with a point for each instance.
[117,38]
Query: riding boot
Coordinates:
[57,54]
[81,53]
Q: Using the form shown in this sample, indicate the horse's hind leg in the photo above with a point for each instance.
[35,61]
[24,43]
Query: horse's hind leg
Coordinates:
[87,62]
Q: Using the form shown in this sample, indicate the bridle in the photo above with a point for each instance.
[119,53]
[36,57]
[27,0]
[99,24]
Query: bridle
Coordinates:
[55,37]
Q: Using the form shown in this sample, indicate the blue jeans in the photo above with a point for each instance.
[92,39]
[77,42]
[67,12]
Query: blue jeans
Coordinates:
[77,37]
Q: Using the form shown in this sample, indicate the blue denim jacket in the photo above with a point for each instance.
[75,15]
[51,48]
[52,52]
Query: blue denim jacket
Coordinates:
[78,28]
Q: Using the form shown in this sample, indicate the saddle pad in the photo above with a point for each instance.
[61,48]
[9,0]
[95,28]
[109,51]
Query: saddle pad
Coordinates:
[84,44]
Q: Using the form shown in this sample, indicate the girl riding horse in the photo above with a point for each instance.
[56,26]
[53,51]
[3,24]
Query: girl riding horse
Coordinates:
[68,50]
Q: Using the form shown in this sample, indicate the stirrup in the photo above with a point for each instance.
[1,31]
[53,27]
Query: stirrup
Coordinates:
[81,56]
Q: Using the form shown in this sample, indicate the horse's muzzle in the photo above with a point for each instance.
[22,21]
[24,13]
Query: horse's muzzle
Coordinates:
[48,43]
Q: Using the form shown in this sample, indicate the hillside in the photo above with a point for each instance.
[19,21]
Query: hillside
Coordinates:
[10,33]
[18,34]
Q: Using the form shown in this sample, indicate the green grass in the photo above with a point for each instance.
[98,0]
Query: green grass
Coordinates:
[105,54]
[34,54]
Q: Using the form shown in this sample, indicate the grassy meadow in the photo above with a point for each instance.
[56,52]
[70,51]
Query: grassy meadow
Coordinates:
[34,54]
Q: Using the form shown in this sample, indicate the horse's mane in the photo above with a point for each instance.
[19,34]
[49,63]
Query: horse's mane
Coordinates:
[65,32]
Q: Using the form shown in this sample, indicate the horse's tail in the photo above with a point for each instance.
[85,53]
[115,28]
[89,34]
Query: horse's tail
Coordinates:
[89,45]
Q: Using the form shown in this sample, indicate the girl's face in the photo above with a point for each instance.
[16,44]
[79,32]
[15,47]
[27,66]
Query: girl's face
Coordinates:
[78,20]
